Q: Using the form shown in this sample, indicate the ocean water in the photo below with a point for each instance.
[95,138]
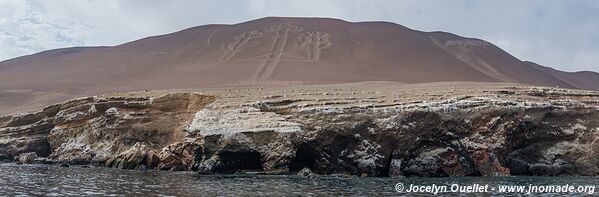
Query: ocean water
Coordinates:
[53,180]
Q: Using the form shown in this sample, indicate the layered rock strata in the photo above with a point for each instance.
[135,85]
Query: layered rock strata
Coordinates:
[328,130]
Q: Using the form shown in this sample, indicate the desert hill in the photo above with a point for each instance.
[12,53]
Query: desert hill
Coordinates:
[307,50]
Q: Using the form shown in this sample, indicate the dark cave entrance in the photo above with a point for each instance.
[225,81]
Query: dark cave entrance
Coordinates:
[305,157]
[240,161]
[45,150]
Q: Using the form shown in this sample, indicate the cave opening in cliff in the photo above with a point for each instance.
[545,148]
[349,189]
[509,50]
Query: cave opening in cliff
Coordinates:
[240,161]
[305,157]
[44,150]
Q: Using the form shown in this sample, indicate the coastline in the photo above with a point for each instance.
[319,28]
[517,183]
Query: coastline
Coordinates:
[354,129]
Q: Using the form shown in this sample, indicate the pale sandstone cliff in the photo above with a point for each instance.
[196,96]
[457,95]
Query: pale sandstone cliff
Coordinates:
[360,129]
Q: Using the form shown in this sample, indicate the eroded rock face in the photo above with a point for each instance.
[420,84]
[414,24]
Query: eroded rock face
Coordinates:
[515,132]
[490,141]
[177,156]
[25,133]
[122,132]
[462,136]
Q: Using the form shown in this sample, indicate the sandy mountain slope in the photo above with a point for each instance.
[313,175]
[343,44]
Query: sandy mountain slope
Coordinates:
[306,50]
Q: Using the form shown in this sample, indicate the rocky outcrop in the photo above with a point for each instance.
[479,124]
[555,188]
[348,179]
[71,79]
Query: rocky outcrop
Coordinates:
[306,172]
[177,156]
[488,132]
[460,136]
[25,133]
[117,131]
[27,157]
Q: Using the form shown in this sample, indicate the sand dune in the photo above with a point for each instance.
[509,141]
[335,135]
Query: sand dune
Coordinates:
[306,50]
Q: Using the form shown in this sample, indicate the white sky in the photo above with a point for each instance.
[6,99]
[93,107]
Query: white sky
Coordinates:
[556,33]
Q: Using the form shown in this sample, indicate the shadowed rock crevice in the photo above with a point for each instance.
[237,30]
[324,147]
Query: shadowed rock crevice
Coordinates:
[232,162]
[305,157]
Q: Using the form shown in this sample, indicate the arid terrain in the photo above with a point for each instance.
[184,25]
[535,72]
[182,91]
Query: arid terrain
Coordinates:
[289,95]
[306,50]
[367,128]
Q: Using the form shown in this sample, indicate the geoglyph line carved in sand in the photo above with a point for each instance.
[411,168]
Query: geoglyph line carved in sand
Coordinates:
[314,42]
[195,48]
[273,59]
[311,42]
[205,44]
[240,42]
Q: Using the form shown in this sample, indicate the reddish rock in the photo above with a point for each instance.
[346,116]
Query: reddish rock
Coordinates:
[487,164]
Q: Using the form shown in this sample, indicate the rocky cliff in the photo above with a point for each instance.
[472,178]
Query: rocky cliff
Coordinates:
[380,130]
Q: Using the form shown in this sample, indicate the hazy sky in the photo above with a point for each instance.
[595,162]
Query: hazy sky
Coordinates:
[562,34]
